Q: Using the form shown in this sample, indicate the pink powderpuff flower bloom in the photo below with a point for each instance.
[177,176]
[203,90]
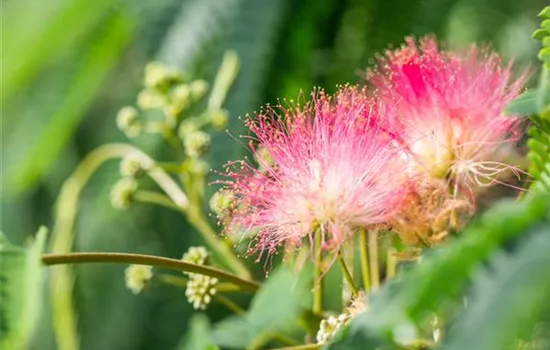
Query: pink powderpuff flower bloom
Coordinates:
[326,167]
[449,110]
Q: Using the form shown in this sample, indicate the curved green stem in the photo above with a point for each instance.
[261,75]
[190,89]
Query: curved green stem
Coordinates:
[202,225]
[301,347]
[230,304]
[127,258]
[347,274]
[61,281]
[173,280]
[156,198]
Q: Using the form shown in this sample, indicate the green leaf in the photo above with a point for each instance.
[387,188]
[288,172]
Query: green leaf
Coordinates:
[21,284]
[399,309]
[544,54]
[523,106]
[275,308]
[509,296]
[545,13]
[543,93]
[540,34]
[198,336]
[32,157]
[41,34]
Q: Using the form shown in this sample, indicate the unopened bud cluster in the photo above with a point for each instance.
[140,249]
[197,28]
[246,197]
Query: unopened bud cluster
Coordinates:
[137,277]
[220,203]
[168,92]
[200,288]
[131,168]
[196,255]
[122,193]
[330,326]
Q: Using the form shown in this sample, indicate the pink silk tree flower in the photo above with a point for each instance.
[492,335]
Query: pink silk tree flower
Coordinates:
[449,110]
[326,168]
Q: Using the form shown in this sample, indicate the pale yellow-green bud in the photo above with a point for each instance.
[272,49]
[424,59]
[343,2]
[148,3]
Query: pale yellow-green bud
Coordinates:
[179,100]
[198,89]
[329,327]
[221,202]
[122,193]
[196,143]
[263,158]
[159,77]
[128,121]
[200,289]
[151,99]
[219,119]
[197,166]
[131,166]
[181,94]
[189,126]
[195,255]
[137,277]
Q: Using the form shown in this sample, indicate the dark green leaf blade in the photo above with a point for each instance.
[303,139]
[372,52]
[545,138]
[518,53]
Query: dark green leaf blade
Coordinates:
[509,296]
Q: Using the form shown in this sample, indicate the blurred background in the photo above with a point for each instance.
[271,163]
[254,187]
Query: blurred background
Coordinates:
[68,66]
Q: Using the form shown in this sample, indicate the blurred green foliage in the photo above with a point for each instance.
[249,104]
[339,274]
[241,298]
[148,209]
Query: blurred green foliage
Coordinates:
[69,65]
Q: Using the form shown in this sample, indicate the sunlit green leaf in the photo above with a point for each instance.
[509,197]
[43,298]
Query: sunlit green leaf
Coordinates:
[21,281]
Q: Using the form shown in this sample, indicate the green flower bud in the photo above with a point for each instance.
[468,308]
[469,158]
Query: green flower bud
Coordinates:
[189,126]
[200,289]
[329,327]
[160,77]
[220,203]
[151,99]
[219,119]
[263,157]
[128,121]
[137,277]
[196,143]
[131,166]
[197,166]
[198,89]
[181,94]
[195,255]
[122,194]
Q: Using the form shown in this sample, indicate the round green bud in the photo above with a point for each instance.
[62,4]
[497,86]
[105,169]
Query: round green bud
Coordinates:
[189,126]
[151,99]
[221,202]
[197,166]
[137,277]
[198,89]
[128,121]
[196,143]
[122,193]
[195,255]
[219,119]
[131,166]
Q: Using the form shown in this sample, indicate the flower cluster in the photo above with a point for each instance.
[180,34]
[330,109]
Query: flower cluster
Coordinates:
[327,167]
[407,151]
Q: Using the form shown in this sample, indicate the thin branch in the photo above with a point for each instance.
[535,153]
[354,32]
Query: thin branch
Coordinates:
[126,258]
[347,274]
